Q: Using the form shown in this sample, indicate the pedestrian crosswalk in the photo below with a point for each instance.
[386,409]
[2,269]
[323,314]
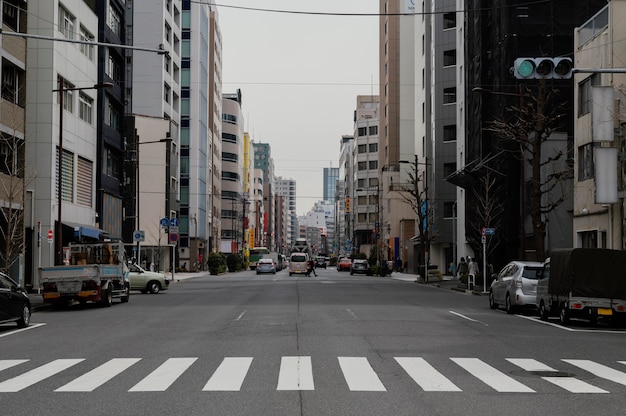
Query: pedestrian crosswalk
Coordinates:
[298,373]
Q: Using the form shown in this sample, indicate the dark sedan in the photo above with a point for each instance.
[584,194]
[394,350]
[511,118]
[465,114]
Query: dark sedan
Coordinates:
[14,302]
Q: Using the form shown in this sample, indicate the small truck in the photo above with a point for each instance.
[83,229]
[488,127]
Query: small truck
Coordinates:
[96,272]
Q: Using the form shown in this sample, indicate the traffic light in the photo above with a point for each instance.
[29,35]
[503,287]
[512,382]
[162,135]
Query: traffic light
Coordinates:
[347,204]
[543,68]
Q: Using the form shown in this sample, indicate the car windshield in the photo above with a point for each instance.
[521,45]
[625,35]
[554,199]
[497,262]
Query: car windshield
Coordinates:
[531,273]
[265,261]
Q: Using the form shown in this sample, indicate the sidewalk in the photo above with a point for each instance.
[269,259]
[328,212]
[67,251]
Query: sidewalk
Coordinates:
[448,282]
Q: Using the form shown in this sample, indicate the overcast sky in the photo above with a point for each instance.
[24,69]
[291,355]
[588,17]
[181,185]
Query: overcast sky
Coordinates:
[300,75]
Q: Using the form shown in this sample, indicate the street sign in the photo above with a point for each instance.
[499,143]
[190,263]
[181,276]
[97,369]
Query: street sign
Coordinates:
[173,237]
[174,222]
[139,235]
[164,222]
[50,234]
[490,231]
[173,230]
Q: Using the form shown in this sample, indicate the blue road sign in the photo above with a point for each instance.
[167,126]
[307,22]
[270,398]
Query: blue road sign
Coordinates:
[490,231]
[164,222]
[174,222]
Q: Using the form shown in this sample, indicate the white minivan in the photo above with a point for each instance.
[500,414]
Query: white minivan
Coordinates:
[297,263]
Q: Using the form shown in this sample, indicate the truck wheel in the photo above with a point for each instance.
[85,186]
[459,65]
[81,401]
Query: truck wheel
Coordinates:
[492,302]
[564,314]
[107,298]
[543,312]
[126,297]
[509,308]
[154,287]
[25,319]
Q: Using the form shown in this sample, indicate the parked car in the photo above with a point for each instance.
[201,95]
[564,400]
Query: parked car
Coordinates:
[320,261]
[515,286]
[146,281]
[14,302]
[265,266]
[344,264]
[360,266]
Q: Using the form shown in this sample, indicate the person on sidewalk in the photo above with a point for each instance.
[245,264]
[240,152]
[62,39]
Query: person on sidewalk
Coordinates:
[462,270]
[472,269]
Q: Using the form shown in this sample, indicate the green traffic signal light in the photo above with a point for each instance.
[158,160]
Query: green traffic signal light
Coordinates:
[524,67]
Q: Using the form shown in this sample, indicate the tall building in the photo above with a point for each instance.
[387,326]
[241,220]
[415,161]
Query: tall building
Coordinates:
[215,121]
[345,195]
[232,173]
[330,183]
[263,160]
[287,188]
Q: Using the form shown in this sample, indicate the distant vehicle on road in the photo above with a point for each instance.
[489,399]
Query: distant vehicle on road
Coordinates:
[515,286]
[320,261]
[297,263]
[14,302]
[146,281]
[360,266]
[257,253]
[265,265]
[344,264]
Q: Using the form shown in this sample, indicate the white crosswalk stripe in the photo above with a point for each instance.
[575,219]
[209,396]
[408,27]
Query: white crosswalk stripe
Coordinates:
[360,375]
[495,379]
[230,375]
[100,375]
[36,375]
[570,384]
[164,376]
[600,370]
[425,374]
[296,373]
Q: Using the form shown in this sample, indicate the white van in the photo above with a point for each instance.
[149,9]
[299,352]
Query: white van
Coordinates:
[297,263]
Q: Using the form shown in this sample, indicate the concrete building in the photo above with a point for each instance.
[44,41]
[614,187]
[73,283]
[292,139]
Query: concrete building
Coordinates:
[287,187]
[263,160]
[345,197]
[215,121]
[330,178]
[51,65]
[232,173]
[600,128]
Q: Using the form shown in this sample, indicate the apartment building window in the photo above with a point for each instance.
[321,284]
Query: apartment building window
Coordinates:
[584,94]
[67,178]
[373,182]
[230,157]
[115,20]
[362,148]
[113,68]
[111,115]
[168,63]
[113,164]
[85,107]
[362,131]
[168,34]
[449,133]
[449,20]
[362,166]
[373,164]
[373,147]
[449,95]
[373,130]
[448,209]
[449,57]
[66,23]
[585,162]
[166,92]
[362,217]
[449,169]
[229,118]
[230,195]
[230,176]
[85,36]
[362,200]
[84,186]
[13,17]
[13,79]
[10,148]
[360,183]
[68,96]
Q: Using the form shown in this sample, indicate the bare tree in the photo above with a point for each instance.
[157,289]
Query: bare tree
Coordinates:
[532,123]
[488,209]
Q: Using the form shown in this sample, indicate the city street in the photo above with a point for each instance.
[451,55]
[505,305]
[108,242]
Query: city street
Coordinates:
[242,344]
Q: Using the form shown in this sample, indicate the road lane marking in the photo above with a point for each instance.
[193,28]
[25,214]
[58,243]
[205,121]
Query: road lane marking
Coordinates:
[468,318]
[497,380]
[36,375]
[230,374]
[600,370]
[99,375]
[564,328]
[241,315]
[17,331]
[165,375]
[360,375]
[4,364]
[296,373]
[425,374]
[571,384]
[352,314]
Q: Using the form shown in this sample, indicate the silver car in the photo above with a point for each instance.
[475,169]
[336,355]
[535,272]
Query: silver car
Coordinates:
[515,286]
[265,266]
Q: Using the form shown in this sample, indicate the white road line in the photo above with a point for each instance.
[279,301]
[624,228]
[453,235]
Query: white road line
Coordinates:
[570,384]
[164,376]
[600,370]
[4,364]
[352,314]
[564,328]
[36,375]
[497,380]
[230,375]
[359,374]
[296,373]
[425,374]
[241,315]
[99,375]
[468,318]
[17,331]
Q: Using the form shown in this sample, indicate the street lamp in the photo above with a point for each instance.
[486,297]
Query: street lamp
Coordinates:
[62,90]
[422,206]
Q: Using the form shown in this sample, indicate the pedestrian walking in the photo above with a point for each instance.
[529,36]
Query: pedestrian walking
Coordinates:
[310,268]
[462,269]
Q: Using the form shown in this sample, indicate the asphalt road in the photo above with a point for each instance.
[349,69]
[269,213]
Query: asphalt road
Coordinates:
[242,344]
